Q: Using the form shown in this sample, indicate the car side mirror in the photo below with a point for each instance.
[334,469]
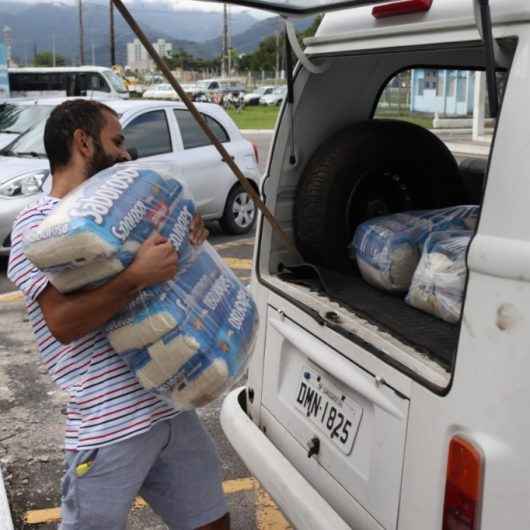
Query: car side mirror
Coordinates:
[133,153]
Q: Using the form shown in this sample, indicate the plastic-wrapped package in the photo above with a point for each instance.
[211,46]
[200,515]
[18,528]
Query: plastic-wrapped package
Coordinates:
[187,339]
[209,345]
[96,230]
[439,281]
[388,249]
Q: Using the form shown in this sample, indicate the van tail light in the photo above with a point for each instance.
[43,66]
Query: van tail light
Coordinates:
[463,487]
[255,147]
[403,7]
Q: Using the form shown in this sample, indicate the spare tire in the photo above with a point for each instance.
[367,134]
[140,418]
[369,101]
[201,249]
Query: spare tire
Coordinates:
[372,168]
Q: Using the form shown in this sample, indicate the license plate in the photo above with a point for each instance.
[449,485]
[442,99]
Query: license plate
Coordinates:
[326,407]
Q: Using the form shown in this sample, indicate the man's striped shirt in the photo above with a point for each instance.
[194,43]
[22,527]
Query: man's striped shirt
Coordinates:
[106,403]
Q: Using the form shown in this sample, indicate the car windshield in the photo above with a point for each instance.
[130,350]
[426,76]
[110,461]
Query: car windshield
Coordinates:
[19,118]
[116,82]
[31,143]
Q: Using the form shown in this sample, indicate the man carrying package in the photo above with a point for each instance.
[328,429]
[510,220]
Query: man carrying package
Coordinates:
[121,440]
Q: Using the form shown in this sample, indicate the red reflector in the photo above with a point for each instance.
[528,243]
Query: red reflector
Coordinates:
[404,7]
[463,487]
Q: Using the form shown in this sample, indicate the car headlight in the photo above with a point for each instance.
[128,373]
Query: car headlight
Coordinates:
[24,185]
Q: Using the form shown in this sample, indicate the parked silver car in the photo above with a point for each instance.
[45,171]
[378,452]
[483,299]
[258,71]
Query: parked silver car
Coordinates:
[157,131]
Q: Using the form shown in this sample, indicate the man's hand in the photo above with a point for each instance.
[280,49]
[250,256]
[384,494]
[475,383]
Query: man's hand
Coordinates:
[198,232]
[155,262]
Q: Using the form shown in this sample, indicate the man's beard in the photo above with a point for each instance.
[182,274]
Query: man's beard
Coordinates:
[100,161]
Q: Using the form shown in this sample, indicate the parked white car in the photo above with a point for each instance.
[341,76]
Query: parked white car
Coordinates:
[274,98]
[160,91]
[253,98]
[156,131]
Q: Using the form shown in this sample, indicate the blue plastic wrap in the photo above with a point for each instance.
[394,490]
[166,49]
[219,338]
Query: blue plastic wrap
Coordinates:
[101,224]
[387,249]
[187,339]
[440,278]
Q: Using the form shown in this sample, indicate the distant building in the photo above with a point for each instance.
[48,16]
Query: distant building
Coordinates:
[139,59]
[446,92]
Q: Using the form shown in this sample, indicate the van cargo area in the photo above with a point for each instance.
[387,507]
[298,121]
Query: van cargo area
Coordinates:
[364,167]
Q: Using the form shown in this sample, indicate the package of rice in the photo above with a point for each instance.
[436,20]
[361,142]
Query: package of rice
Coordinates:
[439,281]
[387,249]
[96,230]
[215,322]
[188,339]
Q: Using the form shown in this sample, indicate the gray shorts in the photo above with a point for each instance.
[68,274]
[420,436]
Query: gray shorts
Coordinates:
[174,467]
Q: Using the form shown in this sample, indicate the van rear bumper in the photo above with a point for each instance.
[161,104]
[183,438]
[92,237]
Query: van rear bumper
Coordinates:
[298,500]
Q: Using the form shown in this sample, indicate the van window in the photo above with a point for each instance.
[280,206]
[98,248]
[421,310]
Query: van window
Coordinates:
[94,82]
[193,135]
[37,82]
[149,134]
[439,99]
[116,82]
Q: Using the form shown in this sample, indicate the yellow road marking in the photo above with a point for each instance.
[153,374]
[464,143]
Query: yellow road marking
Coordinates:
[238,263]
[50,515]
[265,506]
[232,244]
[241,484]
[13,296]
[268,516]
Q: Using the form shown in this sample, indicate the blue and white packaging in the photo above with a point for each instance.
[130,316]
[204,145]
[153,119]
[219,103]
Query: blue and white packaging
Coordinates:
[208,348]
[440,278]
[387,249]
[97,229]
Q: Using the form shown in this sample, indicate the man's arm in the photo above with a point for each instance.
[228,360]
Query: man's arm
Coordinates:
[72,316]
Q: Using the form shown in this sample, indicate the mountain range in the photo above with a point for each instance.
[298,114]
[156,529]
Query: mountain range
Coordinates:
[36,26]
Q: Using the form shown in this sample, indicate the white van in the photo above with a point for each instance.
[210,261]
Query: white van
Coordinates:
[89,81]
[361,411]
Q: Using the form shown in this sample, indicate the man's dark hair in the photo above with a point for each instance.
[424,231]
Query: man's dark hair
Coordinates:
[88,115]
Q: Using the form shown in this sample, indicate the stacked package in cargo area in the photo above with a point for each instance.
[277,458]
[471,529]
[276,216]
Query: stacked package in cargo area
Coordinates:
[440,278]
[388,249]
[187,339]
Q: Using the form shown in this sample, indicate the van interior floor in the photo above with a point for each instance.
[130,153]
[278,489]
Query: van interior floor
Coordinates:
[425,333]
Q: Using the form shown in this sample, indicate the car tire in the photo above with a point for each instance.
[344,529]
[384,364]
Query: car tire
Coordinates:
[372,168]
[240,212]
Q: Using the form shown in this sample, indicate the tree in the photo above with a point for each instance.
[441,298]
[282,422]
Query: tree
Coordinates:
[46,59]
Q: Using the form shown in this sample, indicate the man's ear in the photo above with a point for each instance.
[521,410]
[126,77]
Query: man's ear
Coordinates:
[82,143]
